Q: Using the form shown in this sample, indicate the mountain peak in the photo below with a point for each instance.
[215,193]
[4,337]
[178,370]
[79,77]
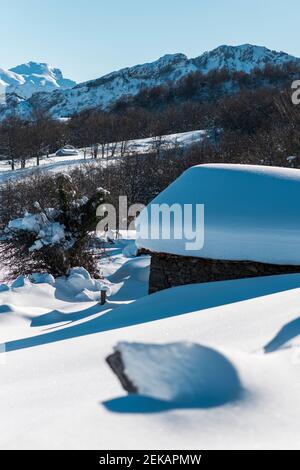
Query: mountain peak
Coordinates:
[32,77]
[244,57]
[31,68]
[173,58]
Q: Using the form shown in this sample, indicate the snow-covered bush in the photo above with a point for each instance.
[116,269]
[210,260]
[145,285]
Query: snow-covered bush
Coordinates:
[53,240]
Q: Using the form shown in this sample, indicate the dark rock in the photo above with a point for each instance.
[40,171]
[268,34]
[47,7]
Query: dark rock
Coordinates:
[116,363]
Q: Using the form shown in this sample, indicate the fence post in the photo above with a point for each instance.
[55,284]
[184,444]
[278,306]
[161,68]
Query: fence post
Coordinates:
[103,297]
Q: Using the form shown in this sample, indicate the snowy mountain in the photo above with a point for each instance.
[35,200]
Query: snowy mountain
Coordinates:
[105,91]
[32,77]
[242,58]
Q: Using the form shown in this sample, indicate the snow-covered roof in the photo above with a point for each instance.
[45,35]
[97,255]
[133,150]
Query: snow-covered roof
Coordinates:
[250,213]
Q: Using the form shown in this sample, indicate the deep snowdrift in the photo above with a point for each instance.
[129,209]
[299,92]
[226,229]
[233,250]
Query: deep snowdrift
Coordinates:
[251,213]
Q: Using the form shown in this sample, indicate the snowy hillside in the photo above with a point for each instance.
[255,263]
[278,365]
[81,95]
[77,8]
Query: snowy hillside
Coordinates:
[57,164]
[32,77]
[239,339]
[108,89]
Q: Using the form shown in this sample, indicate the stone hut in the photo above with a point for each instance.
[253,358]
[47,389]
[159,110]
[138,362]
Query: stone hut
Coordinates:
[245,221]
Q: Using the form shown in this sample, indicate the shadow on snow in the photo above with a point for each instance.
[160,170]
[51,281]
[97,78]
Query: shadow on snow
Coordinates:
[164,304]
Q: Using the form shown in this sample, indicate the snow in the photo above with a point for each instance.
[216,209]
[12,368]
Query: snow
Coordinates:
[166,141]
[47,232]
[42,278]
[21,281]
[59,381]
[3,288]
[83,287]
[87,295]
[243,58]
[250,213]
[234,383]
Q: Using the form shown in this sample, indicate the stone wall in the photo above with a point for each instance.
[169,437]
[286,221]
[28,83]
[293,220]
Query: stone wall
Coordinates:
[172,270]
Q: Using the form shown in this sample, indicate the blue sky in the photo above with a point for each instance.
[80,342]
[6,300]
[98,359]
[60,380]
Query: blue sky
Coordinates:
[88,38]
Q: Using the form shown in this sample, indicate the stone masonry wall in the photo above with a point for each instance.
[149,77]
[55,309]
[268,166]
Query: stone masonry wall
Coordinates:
[172,270]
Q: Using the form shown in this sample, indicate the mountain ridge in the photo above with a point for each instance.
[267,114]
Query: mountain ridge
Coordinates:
[105,91]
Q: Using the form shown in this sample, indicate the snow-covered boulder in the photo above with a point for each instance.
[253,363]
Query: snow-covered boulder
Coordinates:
[83,287]
[250,213]
[185,373]
[79,279]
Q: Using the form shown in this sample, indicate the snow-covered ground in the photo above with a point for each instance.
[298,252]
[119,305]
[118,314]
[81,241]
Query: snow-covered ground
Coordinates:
[55,163]
[58,392]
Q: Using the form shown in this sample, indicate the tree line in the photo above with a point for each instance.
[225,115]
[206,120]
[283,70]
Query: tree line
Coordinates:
[231,106]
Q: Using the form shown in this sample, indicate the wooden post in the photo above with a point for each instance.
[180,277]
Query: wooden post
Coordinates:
[103,297]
